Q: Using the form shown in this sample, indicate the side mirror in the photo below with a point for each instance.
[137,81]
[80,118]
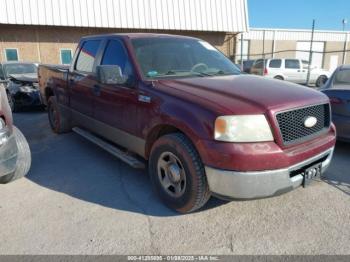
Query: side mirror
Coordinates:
[110,75]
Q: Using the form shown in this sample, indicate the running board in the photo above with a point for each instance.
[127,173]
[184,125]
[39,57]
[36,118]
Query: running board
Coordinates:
[123,156]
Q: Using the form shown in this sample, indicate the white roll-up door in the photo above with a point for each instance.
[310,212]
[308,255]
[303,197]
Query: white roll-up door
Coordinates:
[317,58]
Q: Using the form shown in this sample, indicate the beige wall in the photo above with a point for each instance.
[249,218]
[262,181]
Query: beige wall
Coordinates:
[256,48]
[333,46]
[43,44]
[283,45]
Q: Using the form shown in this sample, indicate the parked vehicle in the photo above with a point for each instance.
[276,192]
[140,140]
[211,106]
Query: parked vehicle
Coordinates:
[15,157]
[183,106]
[292,70]
[337,89]
[22,87]
[247,65]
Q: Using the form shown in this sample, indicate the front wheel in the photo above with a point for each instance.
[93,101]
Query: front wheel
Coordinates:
[177,173]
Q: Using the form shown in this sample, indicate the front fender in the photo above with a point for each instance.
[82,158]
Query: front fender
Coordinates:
[195,122]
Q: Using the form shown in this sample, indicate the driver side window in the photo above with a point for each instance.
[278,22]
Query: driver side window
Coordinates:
[115,54]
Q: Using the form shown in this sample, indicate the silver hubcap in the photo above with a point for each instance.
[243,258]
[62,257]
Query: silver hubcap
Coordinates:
[171,174]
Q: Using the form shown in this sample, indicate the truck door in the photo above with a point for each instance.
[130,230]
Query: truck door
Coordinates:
[116,105]
[82,79]
[293,70]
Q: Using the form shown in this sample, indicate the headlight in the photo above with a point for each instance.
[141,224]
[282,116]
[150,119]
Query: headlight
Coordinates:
[244,128]
[26,89]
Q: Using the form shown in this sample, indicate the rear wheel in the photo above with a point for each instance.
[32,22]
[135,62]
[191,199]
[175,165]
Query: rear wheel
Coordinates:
[23,158]
[177,173]
[321,80]
[278,77]
[58,121]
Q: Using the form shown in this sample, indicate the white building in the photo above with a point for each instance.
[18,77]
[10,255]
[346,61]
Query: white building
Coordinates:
[48,30]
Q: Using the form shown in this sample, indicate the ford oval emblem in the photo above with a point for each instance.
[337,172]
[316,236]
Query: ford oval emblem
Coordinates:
[310,121]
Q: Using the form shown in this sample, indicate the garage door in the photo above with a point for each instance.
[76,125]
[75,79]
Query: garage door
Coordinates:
[317,58]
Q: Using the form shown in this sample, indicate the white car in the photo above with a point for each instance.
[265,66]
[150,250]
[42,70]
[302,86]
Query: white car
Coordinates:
[293,70]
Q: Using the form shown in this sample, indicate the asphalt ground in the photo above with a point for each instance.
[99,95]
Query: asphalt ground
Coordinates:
[78,199]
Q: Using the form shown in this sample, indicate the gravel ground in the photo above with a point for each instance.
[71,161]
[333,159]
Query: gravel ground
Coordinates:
[78,199]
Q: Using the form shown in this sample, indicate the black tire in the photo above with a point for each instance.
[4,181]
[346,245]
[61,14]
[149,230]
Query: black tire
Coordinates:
[321,80]
[278,77]
[24,158]
[12,103]
[196,190]
[58,121]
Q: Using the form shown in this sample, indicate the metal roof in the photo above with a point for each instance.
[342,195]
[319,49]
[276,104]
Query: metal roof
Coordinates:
[295,35]
[194,15]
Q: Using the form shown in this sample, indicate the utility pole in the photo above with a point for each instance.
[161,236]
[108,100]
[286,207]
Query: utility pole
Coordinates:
[242,51]
[345,21]
[264,66]
[311,52]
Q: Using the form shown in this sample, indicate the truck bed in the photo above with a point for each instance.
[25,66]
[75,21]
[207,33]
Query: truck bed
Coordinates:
[50,76]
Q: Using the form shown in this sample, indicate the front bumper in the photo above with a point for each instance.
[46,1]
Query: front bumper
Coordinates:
[8,153]
[250,185]
[32,98]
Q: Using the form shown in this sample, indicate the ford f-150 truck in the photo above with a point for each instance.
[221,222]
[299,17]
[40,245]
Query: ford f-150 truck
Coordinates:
[181,105]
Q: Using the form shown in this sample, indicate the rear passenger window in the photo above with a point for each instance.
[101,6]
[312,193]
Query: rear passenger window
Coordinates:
[276,63]
[292,64]
[87,55]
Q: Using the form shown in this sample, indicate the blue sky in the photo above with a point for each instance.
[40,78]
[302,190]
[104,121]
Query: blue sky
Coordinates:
[299,13]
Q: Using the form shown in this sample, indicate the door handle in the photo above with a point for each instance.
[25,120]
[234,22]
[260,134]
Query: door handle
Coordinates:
[96,90]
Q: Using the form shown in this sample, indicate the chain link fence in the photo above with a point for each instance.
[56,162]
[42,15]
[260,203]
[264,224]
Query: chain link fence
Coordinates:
[328,60]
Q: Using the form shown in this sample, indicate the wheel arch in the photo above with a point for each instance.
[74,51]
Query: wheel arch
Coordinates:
[279,76]
[158,131]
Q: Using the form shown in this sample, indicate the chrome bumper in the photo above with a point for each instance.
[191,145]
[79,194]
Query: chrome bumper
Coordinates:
[8,153]
[250,185]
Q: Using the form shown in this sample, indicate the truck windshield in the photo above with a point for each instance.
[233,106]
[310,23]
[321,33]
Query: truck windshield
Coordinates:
[172,58]
[18,69]
[342,77]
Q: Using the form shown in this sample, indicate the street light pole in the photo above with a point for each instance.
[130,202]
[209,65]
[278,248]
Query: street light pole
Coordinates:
[345,21]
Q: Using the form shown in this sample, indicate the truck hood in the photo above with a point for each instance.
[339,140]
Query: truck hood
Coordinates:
[242,94]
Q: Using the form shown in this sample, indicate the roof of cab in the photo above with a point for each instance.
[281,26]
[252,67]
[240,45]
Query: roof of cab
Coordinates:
[137,35]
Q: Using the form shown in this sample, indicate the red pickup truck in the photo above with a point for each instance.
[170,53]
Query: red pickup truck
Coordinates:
[180,104]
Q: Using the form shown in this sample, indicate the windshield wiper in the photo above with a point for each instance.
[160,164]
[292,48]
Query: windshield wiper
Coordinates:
[191,73]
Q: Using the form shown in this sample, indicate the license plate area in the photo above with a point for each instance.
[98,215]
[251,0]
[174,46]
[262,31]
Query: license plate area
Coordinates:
[312,173]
